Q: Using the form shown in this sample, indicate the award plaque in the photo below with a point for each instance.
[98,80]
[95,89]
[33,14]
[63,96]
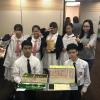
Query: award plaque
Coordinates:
[50,45]
[33,82]
[34,78]
[61,74]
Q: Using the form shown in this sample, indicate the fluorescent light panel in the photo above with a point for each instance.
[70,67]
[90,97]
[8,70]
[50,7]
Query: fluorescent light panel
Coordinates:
[70,0]
[72,3]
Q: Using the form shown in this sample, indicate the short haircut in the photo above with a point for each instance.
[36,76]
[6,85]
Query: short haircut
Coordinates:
[35,26]
[53,24]
[72,46]
[26,43]
[18,27]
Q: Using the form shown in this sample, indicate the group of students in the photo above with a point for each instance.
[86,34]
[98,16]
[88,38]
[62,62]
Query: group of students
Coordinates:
[30,54]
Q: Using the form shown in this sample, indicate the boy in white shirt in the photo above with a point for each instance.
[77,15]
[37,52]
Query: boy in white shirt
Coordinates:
[27,63]
[82,76]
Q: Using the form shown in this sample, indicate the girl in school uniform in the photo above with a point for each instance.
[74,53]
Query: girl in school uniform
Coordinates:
[88,39]
[68,38]
[37,42]
[13,51]
[54,46]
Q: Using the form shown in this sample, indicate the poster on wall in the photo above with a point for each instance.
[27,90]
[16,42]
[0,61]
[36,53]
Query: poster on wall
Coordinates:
[99,28]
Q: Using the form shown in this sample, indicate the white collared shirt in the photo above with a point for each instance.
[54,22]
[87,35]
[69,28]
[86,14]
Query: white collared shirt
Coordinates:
[38,41]
[11,51]
[20,67]
[83,75]
[68,39]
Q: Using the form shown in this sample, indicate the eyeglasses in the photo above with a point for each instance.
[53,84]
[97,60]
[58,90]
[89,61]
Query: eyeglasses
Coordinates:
[86,26]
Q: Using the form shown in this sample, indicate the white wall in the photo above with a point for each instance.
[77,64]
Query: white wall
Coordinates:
[42,18]
[33,12]
[72,11]
[90,11]
[7,21]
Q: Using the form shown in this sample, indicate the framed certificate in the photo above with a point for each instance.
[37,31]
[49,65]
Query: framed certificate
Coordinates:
[61,74]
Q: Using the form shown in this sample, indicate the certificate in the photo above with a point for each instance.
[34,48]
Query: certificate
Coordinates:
[62,74]
[61,87]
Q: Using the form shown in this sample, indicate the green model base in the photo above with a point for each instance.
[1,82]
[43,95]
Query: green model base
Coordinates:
[28,86]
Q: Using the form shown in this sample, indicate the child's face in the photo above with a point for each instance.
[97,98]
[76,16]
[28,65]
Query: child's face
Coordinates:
[18,34]
[86,27]
[36,33]
[68,29]
[73,54]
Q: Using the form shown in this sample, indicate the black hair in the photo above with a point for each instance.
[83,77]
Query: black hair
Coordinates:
[43,30]
[72,46]
[75,19]
[91,31]
[6,37]
[53,24]
[35,26]
[26,43]
[18,27]
[68,20]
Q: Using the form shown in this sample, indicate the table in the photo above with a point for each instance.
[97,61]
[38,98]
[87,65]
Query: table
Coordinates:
[43,95]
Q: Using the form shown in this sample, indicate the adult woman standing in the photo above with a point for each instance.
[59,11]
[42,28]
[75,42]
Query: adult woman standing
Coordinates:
[88,39]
